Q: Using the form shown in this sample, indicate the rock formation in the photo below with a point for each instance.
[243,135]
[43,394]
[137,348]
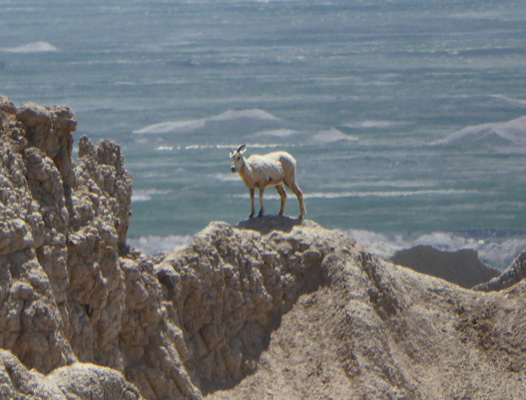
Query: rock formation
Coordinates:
[462,267]
[274,307]
[515,273]
[61,227]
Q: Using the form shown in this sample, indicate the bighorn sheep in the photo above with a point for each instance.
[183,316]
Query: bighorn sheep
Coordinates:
[272,169]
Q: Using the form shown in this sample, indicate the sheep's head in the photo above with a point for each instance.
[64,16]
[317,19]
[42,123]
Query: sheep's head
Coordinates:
[236,158]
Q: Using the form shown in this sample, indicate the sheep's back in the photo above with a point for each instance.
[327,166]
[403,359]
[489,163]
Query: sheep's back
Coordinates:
[277,160]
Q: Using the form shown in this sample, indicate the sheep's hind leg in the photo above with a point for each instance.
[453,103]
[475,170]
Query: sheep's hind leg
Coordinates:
[283,196]
[299,194]
[251,204]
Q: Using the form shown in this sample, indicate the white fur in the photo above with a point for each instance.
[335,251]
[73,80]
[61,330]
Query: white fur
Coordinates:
[272,169]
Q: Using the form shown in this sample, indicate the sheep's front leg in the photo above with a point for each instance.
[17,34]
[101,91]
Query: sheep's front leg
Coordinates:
[251,203]
[262,210]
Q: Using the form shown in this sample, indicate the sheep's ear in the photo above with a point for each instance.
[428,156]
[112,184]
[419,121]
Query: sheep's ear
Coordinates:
[242,149]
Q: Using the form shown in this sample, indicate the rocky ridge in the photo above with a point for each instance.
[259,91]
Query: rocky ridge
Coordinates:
[272,308]
[516,272]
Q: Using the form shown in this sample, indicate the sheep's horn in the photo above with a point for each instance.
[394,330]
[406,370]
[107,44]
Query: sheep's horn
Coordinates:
[241,147]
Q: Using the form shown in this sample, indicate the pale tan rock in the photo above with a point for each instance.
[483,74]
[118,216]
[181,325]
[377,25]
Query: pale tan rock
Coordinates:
[375,330]
[6,105]
[75,382]
[87,381]
[272,308]
[41,317]
[229,288]
[18,383]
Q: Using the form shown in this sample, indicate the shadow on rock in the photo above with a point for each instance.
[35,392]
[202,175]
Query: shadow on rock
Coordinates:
[268,224]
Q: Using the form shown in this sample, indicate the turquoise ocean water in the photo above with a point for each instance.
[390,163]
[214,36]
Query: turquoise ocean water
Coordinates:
[407,118]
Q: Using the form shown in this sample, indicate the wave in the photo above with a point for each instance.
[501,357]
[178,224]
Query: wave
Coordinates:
[491,250]
[362,194]
[281,133]
[372,124]
[35,47]
[394,193]
[231,146]
[153,245]
[384,183]
[192,125]
[172,126]
[332,135]
[227,177]
[221,146]
[511,133]
[164,148]
[142,195]
[509,100]
[250,113]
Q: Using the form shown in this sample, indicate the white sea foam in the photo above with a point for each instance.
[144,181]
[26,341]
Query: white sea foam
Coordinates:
[152,245]
[493,251]
[366,194]
[228,177]
[195,124]
[35,47]
[172,126]
[141,195]
[371,124]
[250,113]
[136,198]
[164,148]
[382,183]
[386,194]
[278,133]
[502,253]
[383,245]
[230,146]
[512,132]
[509,100]
[332,135]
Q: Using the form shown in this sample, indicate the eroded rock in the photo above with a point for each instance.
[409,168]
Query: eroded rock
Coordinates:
[274,306]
